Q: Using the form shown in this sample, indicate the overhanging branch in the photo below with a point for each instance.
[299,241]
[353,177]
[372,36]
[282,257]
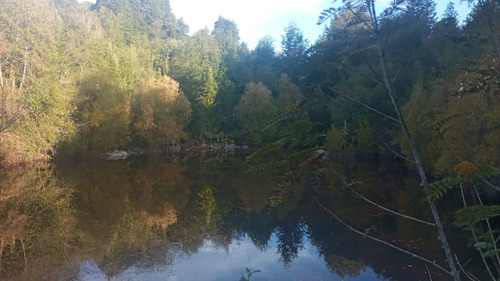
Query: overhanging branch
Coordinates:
[364,105]
[380,240]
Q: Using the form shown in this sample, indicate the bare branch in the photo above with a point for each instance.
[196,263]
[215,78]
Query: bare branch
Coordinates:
[364,105]
[415,103]
[389,210]
[490,184]
[24,69]
[397,154]
[471,277]
[346,184]
[367,76]
[372,70]
[428,272]
[380,240]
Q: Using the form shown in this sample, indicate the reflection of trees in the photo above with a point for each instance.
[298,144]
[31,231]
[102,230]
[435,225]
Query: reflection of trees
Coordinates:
[36,222]
[344,267]
[388,186]
[141,212]
[126,207]
[260,228]
[290,241]
[206,201]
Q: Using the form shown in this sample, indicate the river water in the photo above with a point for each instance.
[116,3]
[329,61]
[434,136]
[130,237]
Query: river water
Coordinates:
[205,217]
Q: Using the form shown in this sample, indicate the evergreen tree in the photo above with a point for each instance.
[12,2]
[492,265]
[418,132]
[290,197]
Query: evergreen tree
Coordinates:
[293,49]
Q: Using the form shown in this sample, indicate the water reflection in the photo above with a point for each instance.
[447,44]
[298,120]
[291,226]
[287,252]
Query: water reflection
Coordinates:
[202,218]
[213,263]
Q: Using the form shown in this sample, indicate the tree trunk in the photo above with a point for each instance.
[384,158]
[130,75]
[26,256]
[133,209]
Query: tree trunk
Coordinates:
[394,100]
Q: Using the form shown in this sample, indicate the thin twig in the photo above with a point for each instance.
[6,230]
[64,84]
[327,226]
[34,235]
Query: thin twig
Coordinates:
[396,153]
[365,105]
[490,184]
[370,67]
[346,184]
[365,75]
[396,75]
[415,102]
[428,272]
[24,69]
[1,251]
[380,240]
[24,254]
[389,210]
[471,277]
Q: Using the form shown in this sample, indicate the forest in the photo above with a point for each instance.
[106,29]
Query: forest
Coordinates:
[80,79]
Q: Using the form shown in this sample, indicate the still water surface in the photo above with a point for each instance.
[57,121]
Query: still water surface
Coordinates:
[203,218]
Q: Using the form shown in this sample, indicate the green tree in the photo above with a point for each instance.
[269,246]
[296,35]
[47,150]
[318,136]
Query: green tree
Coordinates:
[254,110]
[487,10]
[227,34]
[196,63]
[294,47]
[103,112]
[33,104]
[365,136]
[293,43]
[289,94]
[263,61]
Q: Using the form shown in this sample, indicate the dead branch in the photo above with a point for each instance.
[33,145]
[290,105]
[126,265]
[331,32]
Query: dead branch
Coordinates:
[428,272]
[389,210]
[396,153]
[24,69]
[380,240]
[346,184]
[490,184]
[364,105]
[471,277]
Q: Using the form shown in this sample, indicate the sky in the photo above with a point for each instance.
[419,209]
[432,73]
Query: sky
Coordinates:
[210,263]
[258,18]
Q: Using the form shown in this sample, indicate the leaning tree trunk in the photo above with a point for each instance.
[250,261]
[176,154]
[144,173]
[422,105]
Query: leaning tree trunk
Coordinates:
[406,131]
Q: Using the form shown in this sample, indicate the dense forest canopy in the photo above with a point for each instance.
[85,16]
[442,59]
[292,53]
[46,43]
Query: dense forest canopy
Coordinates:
[81,77]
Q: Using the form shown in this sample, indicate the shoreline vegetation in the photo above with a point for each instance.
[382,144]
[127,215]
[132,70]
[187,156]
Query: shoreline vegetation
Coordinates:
[79,78]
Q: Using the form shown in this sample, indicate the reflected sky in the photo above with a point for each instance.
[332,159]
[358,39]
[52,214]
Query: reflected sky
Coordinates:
[213,263]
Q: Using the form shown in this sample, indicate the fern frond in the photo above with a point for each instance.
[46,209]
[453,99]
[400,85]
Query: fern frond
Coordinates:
[267,166]
[325,15]
[302,154]
[278,119]
[487,171]
[438,188]
[467,217]
[269,148]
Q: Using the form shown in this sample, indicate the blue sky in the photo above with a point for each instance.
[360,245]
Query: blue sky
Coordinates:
[212,263]
[258,18]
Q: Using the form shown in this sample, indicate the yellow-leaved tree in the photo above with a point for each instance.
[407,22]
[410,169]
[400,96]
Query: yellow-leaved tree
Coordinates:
[160,112]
